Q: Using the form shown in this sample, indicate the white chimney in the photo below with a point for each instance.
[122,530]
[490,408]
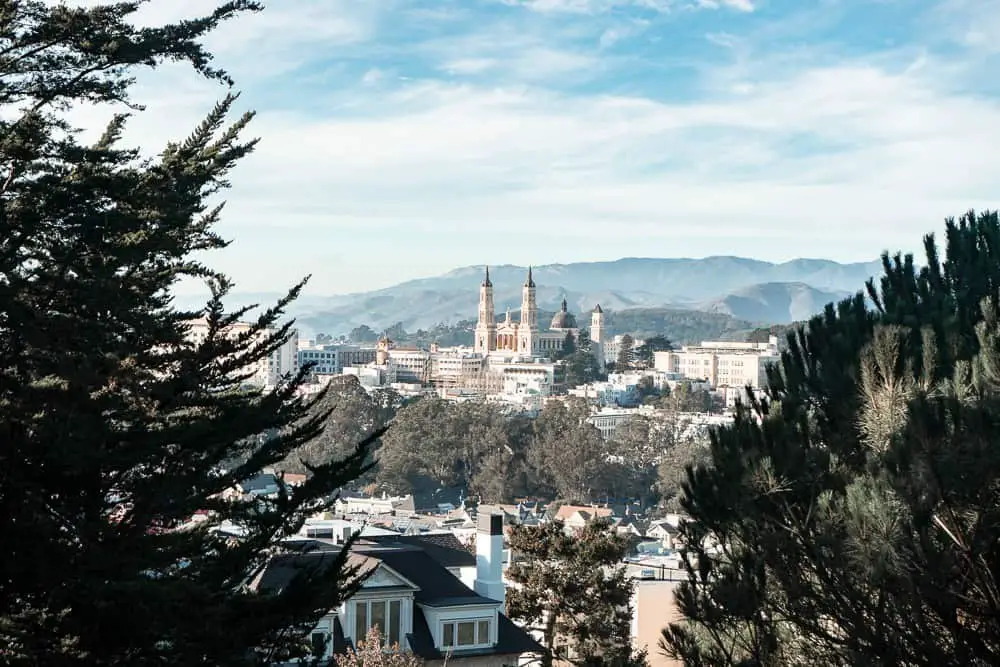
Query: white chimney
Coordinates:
[489,557]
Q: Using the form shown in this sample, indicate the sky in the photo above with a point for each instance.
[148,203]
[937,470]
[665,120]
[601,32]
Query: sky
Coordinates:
[404,138]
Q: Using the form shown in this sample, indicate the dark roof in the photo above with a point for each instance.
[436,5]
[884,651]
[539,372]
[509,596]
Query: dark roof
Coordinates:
[444,548]
[511,640]
[598,309]
[259,483]
[283,568]
[437,585]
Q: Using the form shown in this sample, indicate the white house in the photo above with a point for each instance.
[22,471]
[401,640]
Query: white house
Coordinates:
[415,595]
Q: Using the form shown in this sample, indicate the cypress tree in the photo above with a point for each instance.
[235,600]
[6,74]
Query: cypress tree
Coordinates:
[851,517]
[114,428]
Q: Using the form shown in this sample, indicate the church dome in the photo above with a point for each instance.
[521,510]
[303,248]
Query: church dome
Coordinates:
[563,319]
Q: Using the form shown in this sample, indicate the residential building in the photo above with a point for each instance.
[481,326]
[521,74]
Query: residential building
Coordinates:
[267,372]
[654,607]
[414,593]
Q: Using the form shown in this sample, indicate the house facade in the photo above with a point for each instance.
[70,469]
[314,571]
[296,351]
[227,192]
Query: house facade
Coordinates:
[414,593]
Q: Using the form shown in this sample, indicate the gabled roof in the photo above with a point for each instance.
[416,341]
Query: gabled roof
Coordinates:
[566,511]
[437,586]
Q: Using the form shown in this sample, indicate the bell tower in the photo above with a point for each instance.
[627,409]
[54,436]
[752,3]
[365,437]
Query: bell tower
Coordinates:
[528,328]
[486,325]
[597,335]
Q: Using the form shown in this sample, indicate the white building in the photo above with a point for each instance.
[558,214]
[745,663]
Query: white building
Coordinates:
[332,359]
[525,337]
[267,372]
[608,419]
[722,363]
[612,347]
[427,596]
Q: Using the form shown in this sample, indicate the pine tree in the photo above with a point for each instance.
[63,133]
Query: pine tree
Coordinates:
[574,591]
[114,428]
[626,354]
[855,509]
[569,344]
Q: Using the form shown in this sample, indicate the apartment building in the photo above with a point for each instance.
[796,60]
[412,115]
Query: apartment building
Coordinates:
[268,371]
[722,363]
[333,359]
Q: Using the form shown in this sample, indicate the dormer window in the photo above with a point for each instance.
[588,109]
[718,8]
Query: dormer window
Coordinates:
[466,634]
[385,614]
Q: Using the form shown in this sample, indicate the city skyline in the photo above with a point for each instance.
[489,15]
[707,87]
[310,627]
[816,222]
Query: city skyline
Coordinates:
[403,139]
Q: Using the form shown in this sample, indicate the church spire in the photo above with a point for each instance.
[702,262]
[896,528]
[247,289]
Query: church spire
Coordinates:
[486,280]
[531,281]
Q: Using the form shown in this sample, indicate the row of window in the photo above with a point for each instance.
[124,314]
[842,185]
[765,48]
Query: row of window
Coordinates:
[387,616]
[464,634]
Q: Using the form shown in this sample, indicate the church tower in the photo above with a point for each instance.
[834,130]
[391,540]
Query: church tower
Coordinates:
[597,335]
[527,330]
[486,325]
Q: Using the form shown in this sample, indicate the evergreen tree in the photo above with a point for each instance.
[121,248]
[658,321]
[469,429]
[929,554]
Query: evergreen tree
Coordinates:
[574,591]
[645,354]
[114,428]
[569,344]
[581,368]
[626,354]
[855,510]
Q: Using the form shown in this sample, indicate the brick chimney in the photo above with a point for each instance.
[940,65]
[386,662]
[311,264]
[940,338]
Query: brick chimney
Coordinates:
[489,557]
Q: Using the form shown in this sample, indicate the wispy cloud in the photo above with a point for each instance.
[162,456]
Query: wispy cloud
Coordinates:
[411,138]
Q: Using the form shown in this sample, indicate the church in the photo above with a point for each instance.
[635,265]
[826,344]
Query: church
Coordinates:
[524,338]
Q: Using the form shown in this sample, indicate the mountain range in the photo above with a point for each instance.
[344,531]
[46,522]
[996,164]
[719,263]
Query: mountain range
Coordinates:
[746,289]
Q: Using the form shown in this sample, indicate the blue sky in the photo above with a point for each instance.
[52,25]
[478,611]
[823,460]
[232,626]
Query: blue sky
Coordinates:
[403,138]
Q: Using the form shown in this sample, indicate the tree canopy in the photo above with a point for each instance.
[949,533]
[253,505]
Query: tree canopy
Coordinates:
[575,592]
[115,427]
[851,517]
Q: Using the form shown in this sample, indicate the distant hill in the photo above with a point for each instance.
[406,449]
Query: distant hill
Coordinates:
[678,325]
[776,303]
[748,289]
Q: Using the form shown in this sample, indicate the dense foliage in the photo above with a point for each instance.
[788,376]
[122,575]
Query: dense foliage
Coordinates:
[114,429]
[678,325]
[780,331]
[481,451]
[574,591]
[856,509]
[350,414]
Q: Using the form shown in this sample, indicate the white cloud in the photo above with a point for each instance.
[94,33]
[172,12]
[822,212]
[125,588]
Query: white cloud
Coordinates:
[739,5]
[523,156]
[601,6]
[372,76]
[853,156]
[470,65]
